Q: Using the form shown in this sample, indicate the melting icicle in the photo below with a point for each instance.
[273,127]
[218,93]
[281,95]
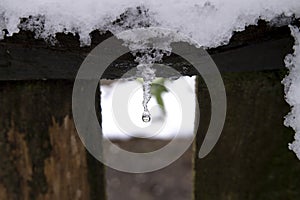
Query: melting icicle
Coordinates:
[146,98]
[149,46]
[148,75]
[147,72]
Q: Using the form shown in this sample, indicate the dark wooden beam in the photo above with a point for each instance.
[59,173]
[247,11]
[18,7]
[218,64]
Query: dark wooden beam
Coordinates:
[22,57]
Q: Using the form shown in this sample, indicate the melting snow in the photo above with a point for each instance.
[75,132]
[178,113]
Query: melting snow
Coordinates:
[209,22]
[292,90]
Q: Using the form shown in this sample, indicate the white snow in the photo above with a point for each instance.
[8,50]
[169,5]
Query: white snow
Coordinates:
[292,90]
[209,22]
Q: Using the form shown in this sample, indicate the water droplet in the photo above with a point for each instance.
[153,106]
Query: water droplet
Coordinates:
[146,117]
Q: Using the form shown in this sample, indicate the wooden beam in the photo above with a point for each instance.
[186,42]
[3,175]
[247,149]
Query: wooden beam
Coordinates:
[22,57]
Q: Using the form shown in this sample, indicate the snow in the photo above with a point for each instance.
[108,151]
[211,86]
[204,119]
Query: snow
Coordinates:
[209,22]
[292,90]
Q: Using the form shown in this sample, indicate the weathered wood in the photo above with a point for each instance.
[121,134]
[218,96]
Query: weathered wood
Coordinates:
[251,159]
[42,157]
[41,154]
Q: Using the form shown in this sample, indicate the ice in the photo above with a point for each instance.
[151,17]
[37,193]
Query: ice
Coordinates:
[292,90]
[148,75]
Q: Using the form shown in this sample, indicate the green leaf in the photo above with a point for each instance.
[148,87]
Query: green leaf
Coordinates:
[157,89]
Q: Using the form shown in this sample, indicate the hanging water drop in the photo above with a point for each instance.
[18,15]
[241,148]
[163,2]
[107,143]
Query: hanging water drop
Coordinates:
[146,117]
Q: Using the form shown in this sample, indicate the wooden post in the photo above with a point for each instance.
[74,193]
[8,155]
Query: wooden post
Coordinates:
[41,154]
[251,159]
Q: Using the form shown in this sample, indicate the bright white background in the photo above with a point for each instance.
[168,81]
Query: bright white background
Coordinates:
[167,126]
